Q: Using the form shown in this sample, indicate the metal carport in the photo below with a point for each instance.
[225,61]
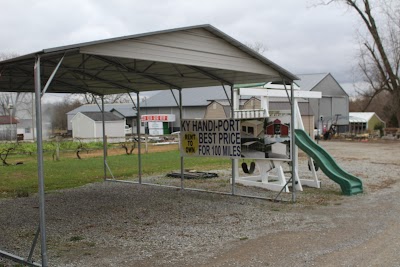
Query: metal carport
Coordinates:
[196,56]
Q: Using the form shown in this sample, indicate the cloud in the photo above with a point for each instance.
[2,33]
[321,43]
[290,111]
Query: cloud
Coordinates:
[299,38]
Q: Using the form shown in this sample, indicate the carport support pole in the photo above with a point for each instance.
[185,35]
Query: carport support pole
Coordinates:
[180,139]
[234,161]
[104,138]
[39,143]
[138,130]
[292,141]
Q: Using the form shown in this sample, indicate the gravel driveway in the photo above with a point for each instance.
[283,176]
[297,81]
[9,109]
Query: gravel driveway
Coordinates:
[115,224]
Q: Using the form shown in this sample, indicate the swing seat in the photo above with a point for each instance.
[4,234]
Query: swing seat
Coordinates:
[246,169]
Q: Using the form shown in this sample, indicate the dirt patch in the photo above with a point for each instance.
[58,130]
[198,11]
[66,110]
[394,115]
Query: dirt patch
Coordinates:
[382,185]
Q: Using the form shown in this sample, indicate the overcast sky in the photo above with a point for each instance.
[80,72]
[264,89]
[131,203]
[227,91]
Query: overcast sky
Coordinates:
[299,37]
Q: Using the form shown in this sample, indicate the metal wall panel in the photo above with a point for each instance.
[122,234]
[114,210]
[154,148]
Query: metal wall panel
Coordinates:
[196,47]
[340,105]
[330,87]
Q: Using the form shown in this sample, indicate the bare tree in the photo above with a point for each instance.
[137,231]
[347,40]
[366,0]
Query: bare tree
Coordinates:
[108,99]
[259,47]
[377,105]
[379,62]
[20,102]
[58,112]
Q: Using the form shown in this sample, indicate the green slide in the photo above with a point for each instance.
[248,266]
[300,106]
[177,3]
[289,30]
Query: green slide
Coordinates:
[349,184]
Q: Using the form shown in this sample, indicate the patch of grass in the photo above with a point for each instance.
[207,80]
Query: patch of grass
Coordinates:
[22,181]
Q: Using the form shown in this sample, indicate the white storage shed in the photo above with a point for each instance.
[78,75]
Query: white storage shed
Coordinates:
[88,125]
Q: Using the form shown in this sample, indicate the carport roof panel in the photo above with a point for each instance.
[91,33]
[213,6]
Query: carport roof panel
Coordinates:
[187,57]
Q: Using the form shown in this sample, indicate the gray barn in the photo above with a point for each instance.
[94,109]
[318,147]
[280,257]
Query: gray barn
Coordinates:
[334,103]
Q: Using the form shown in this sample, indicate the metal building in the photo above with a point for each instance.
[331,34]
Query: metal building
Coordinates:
[334,104]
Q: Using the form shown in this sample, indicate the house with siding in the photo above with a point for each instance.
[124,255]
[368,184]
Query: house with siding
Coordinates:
[26,130]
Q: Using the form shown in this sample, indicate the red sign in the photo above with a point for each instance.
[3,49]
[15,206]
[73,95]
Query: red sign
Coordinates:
[158,117]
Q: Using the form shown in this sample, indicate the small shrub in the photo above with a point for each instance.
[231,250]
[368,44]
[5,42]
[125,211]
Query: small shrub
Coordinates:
[22,193]
[379,127]
[76,238]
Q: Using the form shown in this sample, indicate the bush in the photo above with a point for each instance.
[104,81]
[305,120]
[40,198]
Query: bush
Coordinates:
[379,127]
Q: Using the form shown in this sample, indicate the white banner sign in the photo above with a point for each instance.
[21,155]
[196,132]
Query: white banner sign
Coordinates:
[210,138]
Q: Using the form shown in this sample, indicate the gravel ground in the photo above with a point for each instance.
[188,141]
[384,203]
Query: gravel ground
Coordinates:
[119,224]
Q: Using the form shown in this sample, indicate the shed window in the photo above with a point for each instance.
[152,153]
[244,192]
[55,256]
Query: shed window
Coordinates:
[250,130]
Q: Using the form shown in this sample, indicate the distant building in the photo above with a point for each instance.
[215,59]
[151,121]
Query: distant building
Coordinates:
[195,102]
[123,110]
[212,102]
[333,107]
[25,130]
[364,122]
[89,126]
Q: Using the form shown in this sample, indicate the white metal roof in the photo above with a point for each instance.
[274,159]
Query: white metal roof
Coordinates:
[308,81]
[362,116]
[354,119]
[196,56]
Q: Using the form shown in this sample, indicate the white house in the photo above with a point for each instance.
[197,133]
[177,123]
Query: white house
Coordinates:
[25,130]
[88,125]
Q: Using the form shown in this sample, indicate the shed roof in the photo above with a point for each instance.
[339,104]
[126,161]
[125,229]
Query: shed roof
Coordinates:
[353,119]
[125,111]
[308,81]
[6,120]
[362,116]
[195,56]
[97,116]
[120,107]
